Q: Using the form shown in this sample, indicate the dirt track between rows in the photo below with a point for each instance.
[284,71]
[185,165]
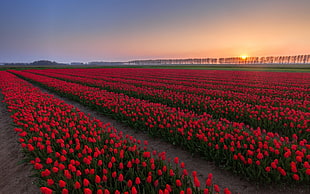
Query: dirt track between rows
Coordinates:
[14,177]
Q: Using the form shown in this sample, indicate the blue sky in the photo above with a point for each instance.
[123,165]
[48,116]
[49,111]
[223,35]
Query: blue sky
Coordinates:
[121,30]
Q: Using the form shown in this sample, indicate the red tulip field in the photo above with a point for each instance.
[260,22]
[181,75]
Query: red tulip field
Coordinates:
[253,124]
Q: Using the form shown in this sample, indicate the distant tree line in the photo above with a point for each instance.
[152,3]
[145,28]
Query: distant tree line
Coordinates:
[35,63]
[297,59]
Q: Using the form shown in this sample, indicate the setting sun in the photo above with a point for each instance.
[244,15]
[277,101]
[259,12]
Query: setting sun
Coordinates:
[243,57]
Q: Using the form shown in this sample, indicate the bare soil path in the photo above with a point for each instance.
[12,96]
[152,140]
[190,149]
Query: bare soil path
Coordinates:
[14,177]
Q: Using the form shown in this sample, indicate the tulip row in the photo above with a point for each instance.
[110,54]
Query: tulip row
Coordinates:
[266,83]
[246,96]
[287,121]
[72,153]
[255,79]
[238,84]
[261,156]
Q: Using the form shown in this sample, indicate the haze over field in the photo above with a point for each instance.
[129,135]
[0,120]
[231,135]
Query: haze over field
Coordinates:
[122,30]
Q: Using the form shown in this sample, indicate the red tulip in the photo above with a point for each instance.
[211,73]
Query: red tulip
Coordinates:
[85,182]
[38,166]
[188,191]
[134,190]
[120,178]
[64,191]
[87,191]
[227,191]
[45,173]
[260,156]
[149,179]
[49,161]
[178,183]
[296,177]
[62,183]
[216,188]
[97,179]
[308,171]
[77,185]
[46,190]
[147,154]
[50,182]
[137,181]
[196,182]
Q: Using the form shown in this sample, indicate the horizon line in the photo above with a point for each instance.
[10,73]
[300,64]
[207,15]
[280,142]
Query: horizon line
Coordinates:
[242,57]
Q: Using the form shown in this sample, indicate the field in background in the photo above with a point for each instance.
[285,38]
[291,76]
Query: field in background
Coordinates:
[238,67]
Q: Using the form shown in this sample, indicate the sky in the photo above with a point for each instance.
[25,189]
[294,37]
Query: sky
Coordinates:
[123,30]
